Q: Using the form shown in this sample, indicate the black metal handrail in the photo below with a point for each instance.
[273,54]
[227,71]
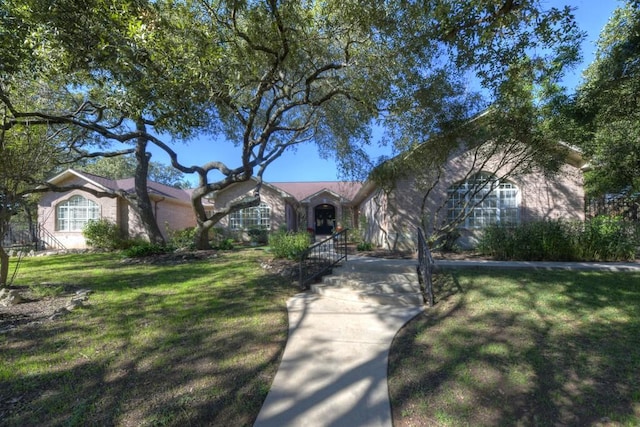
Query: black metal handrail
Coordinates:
[25,237]
[46,240]
[425,269]
[321,257]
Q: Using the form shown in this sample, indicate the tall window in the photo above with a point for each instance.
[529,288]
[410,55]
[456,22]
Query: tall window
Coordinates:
[255,217]
[484,200]
[75,213]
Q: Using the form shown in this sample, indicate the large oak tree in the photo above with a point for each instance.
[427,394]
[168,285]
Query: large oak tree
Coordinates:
[268,75]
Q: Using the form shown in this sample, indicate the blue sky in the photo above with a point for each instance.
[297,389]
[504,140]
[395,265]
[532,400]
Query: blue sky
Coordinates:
[305,162]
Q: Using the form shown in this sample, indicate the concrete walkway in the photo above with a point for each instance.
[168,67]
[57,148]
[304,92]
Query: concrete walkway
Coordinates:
[334,367]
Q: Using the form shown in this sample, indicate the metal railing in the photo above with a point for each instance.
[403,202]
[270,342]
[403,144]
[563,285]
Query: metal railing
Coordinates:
[425,269]
[321,257]
[22,237]
[46,240]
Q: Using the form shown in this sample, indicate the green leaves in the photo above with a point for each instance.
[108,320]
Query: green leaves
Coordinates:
[607,106]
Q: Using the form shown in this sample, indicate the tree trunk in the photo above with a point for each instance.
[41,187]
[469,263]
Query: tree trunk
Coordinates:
[201,238]
[142,203]
[5,217]
[4,268]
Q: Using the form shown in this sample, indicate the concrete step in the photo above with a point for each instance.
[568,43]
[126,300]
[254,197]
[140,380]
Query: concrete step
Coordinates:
[399,299]
[381,265]
[391,283]
[376,281]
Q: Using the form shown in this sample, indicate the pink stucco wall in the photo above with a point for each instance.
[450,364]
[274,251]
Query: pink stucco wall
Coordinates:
[109,208]
[392,218]
[170,214]
[268,195]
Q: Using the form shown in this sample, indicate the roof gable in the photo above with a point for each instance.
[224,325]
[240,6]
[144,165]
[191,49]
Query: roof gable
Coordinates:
[127,184]
[305,190]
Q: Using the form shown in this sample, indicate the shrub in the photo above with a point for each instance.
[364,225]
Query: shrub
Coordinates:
[606,238]
[602,238]
[225,245]
[258,235]
[364,246]
[103,234]
[534,241]
[289,245]
[183,239]
[141,249]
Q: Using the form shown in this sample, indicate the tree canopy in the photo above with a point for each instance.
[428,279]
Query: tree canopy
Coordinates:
[607,107]
[269,75]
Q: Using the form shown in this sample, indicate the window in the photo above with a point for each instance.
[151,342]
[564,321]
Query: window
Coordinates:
[75,213]
[485,200]
[255,217]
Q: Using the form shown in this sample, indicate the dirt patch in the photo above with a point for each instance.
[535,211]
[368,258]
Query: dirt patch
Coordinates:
[36,309]
[173,257]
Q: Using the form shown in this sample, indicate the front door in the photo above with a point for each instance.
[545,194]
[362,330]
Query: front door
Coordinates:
[325,219]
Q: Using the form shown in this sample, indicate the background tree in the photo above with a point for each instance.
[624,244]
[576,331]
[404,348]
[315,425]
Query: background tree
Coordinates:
[121,167]
[607,107]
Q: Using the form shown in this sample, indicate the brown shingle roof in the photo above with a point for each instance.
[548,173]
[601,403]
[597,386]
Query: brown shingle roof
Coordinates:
[128,185]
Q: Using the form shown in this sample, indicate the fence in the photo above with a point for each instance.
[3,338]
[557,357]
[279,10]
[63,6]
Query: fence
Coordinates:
[425,269]
[626,207]
[321,257]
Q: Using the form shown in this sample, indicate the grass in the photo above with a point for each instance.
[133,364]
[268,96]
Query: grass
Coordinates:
[187,344]
[521,348]
[199,343]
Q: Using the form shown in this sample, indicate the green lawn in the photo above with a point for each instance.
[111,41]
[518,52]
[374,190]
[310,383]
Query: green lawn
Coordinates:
[530,348]
[196,343]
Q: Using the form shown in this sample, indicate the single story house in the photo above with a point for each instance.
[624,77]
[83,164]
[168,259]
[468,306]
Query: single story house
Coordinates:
[457,199]
[320,207]
[64,215]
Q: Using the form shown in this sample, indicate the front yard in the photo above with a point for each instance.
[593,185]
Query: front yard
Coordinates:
[179,343]
[197,341]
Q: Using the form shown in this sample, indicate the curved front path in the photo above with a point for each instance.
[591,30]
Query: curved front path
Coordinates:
[334,367]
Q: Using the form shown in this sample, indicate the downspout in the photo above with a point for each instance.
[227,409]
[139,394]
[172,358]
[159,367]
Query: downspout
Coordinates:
[155,209]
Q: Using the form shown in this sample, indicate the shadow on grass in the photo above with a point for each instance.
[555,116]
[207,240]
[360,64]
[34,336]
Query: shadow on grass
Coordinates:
[522,348]
[189,344]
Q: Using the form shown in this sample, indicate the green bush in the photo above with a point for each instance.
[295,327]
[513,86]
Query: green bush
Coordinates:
[183,239]
[141,249]
[606,238]
[599,239]
[534,241]
[364,246]
[289,245]
[103,234]
[259,235]
[225,245]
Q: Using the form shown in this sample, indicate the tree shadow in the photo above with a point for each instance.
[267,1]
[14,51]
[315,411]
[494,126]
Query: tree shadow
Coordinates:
[549,348]
[201,353]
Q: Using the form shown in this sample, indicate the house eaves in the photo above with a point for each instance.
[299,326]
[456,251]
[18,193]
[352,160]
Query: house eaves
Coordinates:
[103,184]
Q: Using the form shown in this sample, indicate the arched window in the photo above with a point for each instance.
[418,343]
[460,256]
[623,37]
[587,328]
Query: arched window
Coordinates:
[483,200]
[74,213]
[254,217]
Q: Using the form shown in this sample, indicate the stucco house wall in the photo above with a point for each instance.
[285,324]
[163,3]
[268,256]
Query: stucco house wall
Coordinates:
[392,216]
[109,208]
[171,213]
[281,216]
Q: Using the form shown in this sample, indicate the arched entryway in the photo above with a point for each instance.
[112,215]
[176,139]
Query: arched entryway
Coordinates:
[325,218]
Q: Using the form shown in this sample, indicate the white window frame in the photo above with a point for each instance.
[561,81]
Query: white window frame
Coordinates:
[484,200]
[253,217]
[75,212]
